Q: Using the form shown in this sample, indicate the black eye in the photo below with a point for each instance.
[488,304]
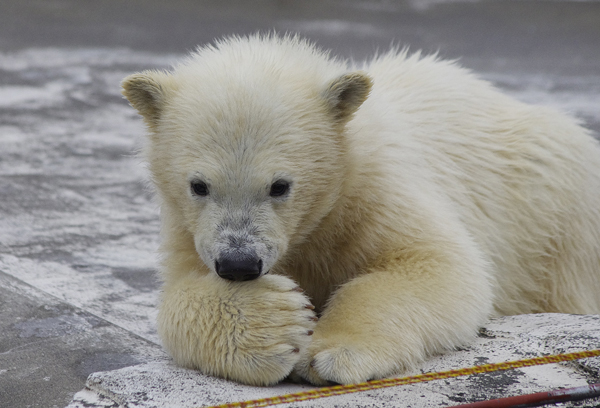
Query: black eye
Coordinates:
[199,188]
[279,188]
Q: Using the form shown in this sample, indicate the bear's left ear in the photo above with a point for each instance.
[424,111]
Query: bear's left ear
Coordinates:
[147,92]
[345,94]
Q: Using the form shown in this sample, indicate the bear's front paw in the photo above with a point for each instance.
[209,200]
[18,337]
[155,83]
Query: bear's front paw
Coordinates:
[344,362]
[274,330]
[252,332]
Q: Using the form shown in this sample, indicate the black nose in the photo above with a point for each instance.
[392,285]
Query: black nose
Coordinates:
[238,267]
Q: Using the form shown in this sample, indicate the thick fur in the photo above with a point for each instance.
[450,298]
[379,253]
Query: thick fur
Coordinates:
[422,201]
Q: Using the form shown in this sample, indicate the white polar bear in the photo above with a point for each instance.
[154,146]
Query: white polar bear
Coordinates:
[408,199]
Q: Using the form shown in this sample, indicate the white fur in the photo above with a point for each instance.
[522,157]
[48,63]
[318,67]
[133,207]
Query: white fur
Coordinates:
[411,219]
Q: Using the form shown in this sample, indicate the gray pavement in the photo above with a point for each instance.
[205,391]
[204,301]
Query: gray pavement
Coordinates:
[49,347]
[78,227]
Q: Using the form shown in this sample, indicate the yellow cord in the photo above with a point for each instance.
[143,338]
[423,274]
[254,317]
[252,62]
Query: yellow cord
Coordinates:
[391,382]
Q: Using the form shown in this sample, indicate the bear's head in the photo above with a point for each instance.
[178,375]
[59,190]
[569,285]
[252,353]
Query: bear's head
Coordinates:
[247,148]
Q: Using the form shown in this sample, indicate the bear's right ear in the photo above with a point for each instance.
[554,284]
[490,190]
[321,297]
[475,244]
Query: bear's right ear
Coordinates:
[147,92]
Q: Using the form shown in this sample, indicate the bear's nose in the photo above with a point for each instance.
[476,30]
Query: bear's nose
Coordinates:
[238,268]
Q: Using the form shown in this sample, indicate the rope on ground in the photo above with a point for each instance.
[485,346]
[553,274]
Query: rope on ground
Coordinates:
[392,382]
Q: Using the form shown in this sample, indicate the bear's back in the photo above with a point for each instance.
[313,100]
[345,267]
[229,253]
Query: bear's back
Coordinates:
[524,180]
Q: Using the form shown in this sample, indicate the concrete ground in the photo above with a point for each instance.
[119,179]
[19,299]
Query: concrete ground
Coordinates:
[78,228]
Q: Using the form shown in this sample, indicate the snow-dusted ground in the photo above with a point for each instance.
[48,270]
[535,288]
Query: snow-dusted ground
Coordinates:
[79,220]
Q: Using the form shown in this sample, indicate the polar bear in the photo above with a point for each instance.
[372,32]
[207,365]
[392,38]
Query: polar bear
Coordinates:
[342,222]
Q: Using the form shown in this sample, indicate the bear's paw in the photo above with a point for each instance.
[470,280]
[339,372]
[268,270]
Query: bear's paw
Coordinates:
[253,332]
[344,362]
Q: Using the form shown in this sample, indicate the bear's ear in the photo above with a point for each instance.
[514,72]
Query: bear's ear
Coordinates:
[146,92]
[345,94]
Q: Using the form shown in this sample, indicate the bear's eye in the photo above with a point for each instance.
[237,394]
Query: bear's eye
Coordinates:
[279,188]
[199,188]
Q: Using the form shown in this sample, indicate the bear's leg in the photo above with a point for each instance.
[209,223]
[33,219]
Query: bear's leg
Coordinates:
[253,332]
[417,303]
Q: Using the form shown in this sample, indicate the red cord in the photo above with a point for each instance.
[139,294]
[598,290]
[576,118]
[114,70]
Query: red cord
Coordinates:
[540,398]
